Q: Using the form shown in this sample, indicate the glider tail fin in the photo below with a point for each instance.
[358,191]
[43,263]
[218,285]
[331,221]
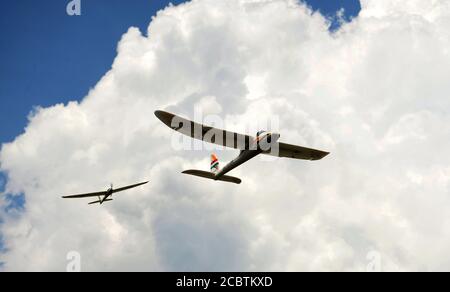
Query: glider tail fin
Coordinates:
[215,166]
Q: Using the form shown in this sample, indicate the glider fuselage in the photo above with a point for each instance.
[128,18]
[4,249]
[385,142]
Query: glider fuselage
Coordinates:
[261,144]
[108,194]
[243,157]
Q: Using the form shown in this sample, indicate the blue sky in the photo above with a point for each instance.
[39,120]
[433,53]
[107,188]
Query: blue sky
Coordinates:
[48,57]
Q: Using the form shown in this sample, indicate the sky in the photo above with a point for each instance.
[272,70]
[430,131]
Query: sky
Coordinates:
[69,55]
[48,57]
[373,92]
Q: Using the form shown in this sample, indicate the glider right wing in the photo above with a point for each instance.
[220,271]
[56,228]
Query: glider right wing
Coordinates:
[298,152]
[129,187]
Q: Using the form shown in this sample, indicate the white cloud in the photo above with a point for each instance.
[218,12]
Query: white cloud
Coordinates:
[375,94]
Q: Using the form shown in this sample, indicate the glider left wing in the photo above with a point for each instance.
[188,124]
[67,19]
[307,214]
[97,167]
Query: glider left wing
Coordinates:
[88,195]
[204,133]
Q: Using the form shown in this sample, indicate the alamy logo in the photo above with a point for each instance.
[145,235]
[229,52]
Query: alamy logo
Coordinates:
[74,8]
[74,262]
[374,258]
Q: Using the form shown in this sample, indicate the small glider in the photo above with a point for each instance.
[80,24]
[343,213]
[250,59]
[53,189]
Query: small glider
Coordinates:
[250,147]
[104,196]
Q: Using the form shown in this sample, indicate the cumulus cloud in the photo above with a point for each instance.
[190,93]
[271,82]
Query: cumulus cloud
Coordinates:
[374,93]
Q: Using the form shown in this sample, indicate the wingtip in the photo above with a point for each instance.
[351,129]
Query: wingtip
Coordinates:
[164,117]
[323,155]
[160,114]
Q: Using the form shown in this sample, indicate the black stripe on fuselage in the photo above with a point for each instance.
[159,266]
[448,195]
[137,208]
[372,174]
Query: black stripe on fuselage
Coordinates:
[243,157]
[107,195]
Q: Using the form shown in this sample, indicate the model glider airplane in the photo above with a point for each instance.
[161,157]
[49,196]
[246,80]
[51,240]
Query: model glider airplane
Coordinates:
[264,143]
[104,196]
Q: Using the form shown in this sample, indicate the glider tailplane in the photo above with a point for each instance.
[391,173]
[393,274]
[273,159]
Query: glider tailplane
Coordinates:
[210,175]
[100,201]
